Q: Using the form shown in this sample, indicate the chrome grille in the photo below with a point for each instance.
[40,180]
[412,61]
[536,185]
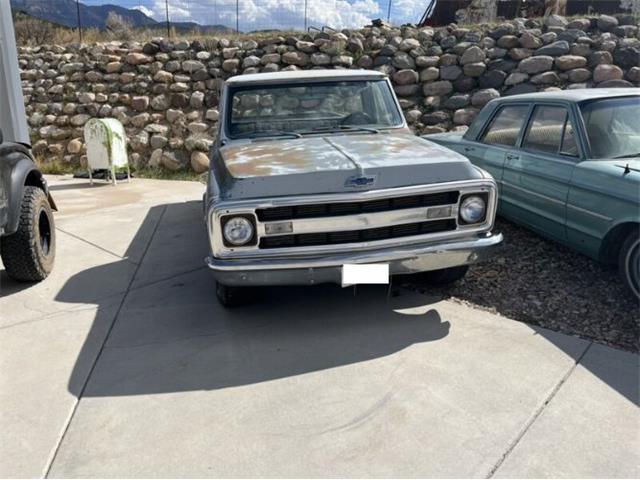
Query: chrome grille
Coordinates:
[352,208]
[355,236]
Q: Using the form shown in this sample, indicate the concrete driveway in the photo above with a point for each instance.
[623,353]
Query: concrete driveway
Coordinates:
[123,364]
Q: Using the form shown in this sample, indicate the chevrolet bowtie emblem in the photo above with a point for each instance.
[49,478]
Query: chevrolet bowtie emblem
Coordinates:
[360,181]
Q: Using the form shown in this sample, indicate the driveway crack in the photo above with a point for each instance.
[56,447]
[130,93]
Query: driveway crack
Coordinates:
[65,429]
[95,245]
[537,413]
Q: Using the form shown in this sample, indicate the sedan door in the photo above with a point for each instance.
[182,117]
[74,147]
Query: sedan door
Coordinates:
[537,176]
[497,141]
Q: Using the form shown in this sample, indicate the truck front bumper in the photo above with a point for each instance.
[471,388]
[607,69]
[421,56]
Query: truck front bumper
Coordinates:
[313,270]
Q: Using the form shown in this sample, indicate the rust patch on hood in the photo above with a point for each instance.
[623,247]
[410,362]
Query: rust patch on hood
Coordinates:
[283,157]
[335,152]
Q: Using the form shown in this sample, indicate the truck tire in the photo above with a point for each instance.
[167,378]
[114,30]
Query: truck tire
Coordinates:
[230,297]
[629,263]
[442,277]
[29,253]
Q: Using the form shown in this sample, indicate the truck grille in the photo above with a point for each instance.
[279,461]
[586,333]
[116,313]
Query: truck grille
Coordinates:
[356,236]
[354,208]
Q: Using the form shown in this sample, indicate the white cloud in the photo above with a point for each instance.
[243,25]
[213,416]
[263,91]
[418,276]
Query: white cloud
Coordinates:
[145,10]
[407,11]
[285,14]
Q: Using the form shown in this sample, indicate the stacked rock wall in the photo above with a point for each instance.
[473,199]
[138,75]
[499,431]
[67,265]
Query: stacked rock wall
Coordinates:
[166,92]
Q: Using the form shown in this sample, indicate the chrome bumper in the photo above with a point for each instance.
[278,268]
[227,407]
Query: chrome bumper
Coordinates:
[328,269]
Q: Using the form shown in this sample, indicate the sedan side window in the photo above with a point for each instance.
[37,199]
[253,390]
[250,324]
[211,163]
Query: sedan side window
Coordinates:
[505,126]
[551,131]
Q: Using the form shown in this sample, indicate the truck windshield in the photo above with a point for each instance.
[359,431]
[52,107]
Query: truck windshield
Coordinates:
[612,127]
[292,109]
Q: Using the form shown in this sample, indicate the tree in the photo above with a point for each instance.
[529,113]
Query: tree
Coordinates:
[119,27]
[33,31]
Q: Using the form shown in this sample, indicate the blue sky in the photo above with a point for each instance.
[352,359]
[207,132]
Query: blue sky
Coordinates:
[263,14]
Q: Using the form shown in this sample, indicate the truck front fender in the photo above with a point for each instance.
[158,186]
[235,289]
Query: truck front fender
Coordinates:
[24,172]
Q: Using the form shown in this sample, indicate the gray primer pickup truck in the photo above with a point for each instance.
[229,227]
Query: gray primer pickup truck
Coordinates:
[315,178]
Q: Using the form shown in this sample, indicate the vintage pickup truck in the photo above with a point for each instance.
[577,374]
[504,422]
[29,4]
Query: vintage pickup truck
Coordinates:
[315,178]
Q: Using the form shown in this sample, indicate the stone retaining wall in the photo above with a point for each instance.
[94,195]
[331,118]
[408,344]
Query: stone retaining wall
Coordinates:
[166,92]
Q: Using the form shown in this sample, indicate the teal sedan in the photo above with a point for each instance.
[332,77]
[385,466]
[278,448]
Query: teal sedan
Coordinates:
[567,164]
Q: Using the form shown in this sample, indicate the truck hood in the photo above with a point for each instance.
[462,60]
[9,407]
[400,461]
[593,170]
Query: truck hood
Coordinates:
[339,163]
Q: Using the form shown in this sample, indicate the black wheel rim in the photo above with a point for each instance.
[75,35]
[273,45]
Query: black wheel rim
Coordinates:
[44,229]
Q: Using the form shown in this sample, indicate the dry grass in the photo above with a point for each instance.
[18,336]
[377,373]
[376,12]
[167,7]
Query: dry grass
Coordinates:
[31,31]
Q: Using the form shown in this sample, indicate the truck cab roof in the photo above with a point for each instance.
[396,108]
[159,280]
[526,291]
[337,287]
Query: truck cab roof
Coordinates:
[303,76]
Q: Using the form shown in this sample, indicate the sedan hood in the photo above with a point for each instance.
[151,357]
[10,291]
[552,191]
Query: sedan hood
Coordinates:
[339,163]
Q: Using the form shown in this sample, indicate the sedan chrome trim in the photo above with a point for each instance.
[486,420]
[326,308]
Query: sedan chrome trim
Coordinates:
[589,212]
[531,192]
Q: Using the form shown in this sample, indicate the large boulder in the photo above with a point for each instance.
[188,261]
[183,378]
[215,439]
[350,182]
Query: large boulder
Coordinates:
[536,64]
[199,162]
[561,47]
[569,62]
[439,88]
[472,55]
[603,73]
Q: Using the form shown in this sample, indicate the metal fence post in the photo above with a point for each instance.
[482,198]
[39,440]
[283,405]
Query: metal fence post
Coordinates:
[79,21]
[166,9]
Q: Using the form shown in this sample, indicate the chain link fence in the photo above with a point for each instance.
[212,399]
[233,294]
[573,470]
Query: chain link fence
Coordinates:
[172,17]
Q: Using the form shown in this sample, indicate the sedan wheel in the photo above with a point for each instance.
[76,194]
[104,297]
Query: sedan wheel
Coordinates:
[629,263]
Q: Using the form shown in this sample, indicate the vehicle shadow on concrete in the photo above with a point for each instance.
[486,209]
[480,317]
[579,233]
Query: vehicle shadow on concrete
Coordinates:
[543,283]
[171,334]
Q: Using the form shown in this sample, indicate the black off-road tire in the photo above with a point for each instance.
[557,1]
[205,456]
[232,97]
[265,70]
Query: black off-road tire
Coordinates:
[230,297]
[629,263]
[442,277]
[28,254]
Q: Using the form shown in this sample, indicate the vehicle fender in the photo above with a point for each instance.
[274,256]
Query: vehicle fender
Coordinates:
[24,172]
[615,236]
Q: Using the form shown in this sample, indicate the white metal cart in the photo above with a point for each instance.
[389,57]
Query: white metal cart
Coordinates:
[106,146]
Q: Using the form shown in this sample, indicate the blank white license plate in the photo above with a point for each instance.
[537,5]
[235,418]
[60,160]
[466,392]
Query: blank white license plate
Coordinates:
[377,273]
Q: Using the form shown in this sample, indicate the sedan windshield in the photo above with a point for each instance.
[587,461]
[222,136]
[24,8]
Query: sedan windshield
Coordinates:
[290,110]
[612,127]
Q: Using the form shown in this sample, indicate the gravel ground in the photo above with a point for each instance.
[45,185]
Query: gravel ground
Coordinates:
[543,283]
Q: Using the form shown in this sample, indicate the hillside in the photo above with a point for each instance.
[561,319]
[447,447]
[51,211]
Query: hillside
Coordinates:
[64,12]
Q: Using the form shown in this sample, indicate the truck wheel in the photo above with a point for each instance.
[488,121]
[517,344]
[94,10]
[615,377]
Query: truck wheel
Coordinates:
[444,276]
[28,254]
[230,297]
[629,263]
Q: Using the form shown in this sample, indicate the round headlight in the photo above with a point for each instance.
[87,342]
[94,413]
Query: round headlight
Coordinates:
[472,209]
[238,231]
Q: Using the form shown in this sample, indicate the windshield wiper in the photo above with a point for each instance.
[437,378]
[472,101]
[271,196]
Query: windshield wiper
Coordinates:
[342,128]
[627,155]
[276,133]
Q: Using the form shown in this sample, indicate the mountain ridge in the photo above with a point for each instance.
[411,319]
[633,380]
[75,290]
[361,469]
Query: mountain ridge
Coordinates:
[65,12]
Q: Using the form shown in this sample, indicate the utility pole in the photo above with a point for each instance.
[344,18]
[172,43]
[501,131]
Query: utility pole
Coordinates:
[389,11]
[166,9]
[79,21]
[237,16]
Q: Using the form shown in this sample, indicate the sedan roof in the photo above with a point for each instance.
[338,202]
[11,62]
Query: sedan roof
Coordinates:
[576,95]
